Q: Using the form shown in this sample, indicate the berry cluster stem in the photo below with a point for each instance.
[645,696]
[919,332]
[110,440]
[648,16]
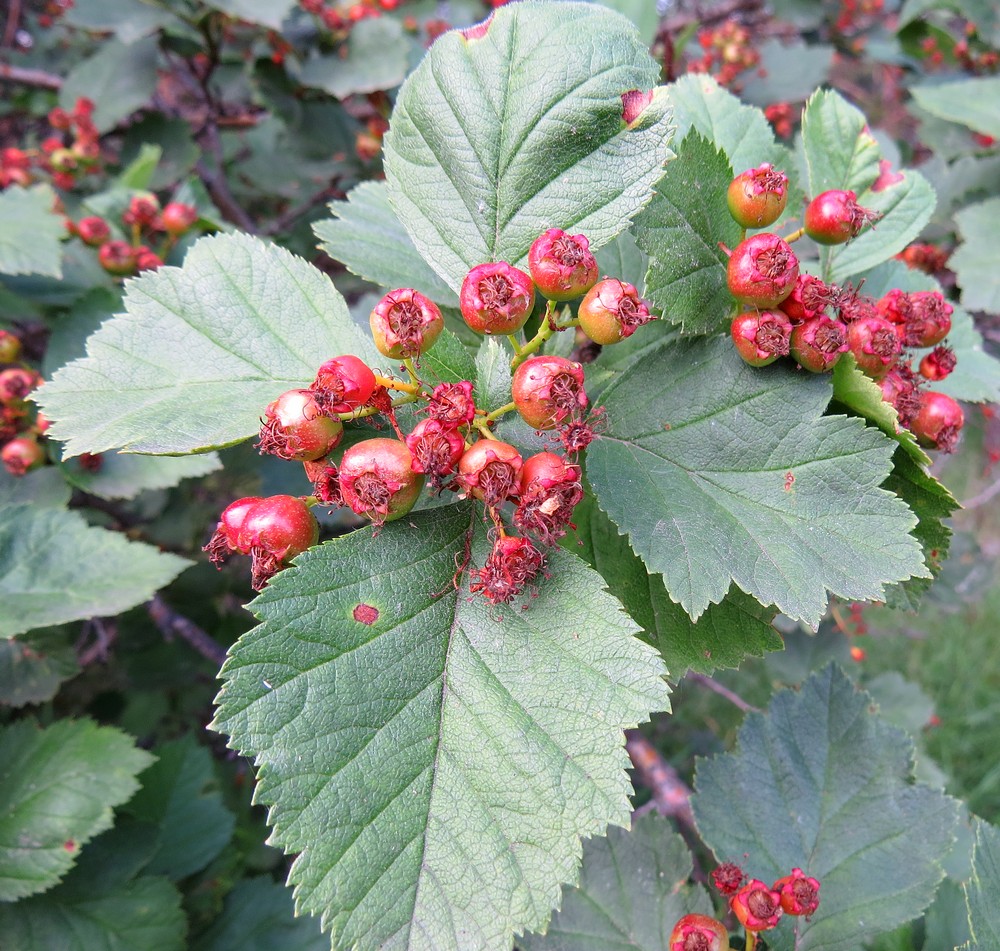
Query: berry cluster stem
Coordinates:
[500,411]
[795,235]
[548,327]
[391,383]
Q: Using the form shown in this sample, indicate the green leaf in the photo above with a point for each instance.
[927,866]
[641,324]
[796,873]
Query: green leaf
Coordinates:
[788,71]
[643,14]
[366,237]
[906,206]
[680,230]
[270,13]
[724,636]
[200,351]
[30,232]
[622,258]
[740,131]
[633,888]
[375,56]
[974,260]
[118,79]
[487,149]
[448,361]
[259,915]
[436,767]
[43,487]
[129,20]
[493,374]
[180,796]
[54,567]
[970,102]
[732,474]
[58,786]
[838,150]
[33,667]
[124,476]
[832,794]
[981,890]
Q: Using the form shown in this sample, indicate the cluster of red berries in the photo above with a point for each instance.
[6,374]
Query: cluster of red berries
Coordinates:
[73,151]
[728,52]
[453,447]
[922,256]
[757,906]
[20,431]
[146,223]
[855,16]
[338,18]
[53,10]
[798,315]
[968,52]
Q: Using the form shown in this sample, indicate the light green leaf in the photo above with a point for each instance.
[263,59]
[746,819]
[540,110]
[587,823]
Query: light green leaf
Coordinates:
[486,150]
[54,567]
[434,760]
[633,888]
[493,374]
[681,230]
[981,890]
[724,636]
[375,57]
[43,487]
[129,20]
[974,261]
[731,473]
[33,667]
[740,131]
[833,795]
[642,13]
[970,102]
[270,13]
[839,152]
[788,71]
[366,237]
[30,232]
[118,79]
[259,915]
[58,786]
[200,351]
[180,796]
[622,258]
[124,476]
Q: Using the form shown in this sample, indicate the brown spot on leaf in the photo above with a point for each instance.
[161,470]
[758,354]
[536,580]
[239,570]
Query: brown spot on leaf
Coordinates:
[478,31]
[789,481]
[366,614]
[69,845]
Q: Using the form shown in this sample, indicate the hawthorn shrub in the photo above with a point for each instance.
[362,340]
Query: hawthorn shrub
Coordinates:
[541,371]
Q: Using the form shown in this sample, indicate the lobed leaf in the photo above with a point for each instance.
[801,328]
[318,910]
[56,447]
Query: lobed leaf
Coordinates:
[434,760]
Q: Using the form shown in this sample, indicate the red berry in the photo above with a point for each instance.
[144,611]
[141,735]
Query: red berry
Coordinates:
[146,260]
[343,384]
[810,297]
[761,336]
[226,538]
[757,197]
[93,231]
[21,455]
[548,390]
[900,390]
[274,531]
[325,477]
[728,878]
[835,216]
[10,346]
[117,257]
[90,461]
[178,218]
[15,385]
[491,471]
[512,565]
[142,211]
[925,317]
[612,311]
[377,480]
[757,907]
[561,265]
[294,427]
[435,447]
[799,893]
[938,422]
[496,298]
[818,343]
[549,491]
[938,364]
[452,403]
[762,271]
[875,346]
[404,323]
[698,933]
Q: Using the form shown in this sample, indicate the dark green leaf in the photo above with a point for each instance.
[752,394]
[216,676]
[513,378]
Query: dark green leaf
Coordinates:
[974,260]
[124,475]
[622,258]
[265,12]
[43,487]
[30,232]
[374,57]
[33,666]
[982,889]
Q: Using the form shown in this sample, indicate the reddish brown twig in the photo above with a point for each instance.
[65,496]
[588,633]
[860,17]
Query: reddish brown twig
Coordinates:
[670,793]
[29,77]
[172,624]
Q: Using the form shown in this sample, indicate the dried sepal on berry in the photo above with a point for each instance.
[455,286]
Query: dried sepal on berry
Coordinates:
[21,455]
[226,538]
[799,893]
[274,531]
[698,933]
[548,391]
[818,343]
[496,298]
[452,403]
[762,271]
[835,216]
[761,337]
[405,323]
[758,196]
[342,385]
[562,265]
[938,422]
[612,311]
[550,489]
[511,566]
[490,470]
[295,428]
[436,448]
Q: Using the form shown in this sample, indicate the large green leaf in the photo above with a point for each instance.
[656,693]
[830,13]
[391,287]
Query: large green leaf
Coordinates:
[729,473]
[30,232]
[681,230]
[827,787]
[974,261]
[200,351]
[129,20]
[43,487]
[633,888]
[32,667]
[433,759]
[724,636]
[375,58]
[982,889]
[180,796]
[366,237]
[54,567]
[491,142]
[971,102]
[58,786]
[839,150]
[266,12]
[124,475]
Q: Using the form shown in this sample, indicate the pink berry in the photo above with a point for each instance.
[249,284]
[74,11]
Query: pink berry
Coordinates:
[404,323]
[757,197]
[491,471]
[612,311]
[875,346]
[496,298]
[562,265]
[378,481]
[343,384]
[818,343]
[295,428]
[762,271]
[761,336]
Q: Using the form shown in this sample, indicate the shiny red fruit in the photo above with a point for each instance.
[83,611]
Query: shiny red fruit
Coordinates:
[761,336]
[496,298]
[491,471]
[835,216]
[377,479]
[548,390]
[295,428]
[612,311]
[561,265]
[343,384]
[758,196]
[405,323]
[762,271]
[938,422]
